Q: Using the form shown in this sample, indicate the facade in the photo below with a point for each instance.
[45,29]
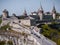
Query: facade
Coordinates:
[25,22]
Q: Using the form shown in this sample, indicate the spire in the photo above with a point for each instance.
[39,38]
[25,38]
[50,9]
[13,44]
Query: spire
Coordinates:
[54,10]
[25,13]
[40,12]
[40,9]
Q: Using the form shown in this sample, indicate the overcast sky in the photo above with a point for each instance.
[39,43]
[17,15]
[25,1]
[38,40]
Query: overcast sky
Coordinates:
[18,6]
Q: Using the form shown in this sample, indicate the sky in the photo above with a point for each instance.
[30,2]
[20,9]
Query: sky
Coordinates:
[18,6]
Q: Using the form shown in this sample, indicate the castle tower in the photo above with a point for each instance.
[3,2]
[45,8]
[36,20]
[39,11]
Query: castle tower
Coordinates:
[5,13]
[54,12]
[40,12]
[25,13]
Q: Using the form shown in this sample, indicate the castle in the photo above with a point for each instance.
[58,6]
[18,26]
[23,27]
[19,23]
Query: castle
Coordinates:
[23,24]
[39,13]
[34,18]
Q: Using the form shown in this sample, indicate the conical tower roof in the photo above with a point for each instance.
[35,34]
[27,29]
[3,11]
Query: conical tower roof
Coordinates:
[53,10]
[25,12]
[40,9]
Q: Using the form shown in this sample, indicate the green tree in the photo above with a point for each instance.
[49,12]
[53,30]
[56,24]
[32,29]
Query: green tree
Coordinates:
[10,43]
[5,27]
[51,33]
[2,42]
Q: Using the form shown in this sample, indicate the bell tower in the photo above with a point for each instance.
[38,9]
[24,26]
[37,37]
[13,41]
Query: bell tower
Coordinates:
[25,13]
[54,12]
[40,12]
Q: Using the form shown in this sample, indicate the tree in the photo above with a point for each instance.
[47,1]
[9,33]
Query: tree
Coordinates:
[51,33]
[5,27]
[2,42]
[10,43]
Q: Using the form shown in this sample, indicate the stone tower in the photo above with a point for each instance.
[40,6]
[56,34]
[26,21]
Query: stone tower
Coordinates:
[25,13]
[40,12]
[5,14]
[54,12]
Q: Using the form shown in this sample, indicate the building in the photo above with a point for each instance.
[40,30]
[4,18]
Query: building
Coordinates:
[40,13]
[54,12]
[32,19]
[5,13]
[20,23]
[25,13]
